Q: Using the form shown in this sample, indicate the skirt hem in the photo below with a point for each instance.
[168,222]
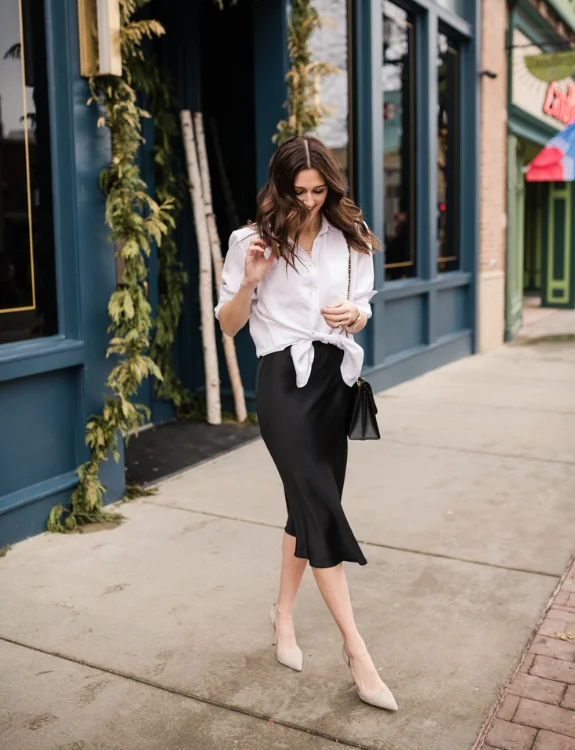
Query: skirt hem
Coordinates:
[330,564]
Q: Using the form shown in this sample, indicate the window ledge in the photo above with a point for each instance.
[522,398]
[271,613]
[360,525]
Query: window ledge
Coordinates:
[25,358]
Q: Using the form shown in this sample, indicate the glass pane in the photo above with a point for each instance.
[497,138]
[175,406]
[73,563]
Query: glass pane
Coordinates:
[447,155]
[330,44]
[398,81]
[457,6]
[27,274]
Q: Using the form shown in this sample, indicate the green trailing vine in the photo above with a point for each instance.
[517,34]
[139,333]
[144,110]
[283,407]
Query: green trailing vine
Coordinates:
[136,221]
[305,112]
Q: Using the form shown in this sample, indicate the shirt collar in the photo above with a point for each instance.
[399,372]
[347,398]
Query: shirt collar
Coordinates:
[325,226]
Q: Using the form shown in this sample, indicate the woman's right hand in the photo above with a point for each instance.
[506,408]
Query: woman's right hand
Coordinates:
[257,266]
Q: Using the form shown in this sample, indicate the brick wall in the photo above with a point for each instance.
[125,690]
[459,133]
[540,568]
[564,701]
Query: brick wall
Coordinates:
[493,135]
[491,305]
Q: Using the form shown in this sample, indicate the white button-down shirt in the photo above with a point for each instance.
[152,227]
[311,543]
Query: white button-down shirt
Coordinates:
[286,304]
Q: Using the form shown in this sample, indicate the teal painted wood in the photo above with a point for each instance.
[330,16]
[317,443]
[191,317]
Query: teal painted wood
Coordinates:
[23,515]
[271,64]
[427,208]
[368,148]
[40,412]
[27,358]
[412,363]
[471,170]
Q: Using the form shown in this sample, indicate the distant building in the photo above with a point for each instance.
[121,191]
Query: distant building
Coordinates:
[527,243]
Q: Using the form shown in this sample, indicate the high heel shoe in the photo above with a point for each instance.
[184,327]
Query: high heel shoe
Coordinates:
[292,659]
[382,699]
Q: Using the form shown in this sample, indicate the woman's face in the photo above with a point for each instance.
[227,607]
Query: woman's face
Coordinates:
[311,189]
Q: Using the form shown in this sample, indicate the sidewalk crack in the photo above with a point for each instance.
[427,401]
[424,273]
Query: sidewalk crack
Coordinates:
[192,696]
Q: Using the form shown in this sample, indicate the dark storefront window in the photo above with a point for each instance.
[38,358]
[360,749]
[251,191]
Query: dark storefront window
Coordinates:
[331,43]
[398,79]
[28,306]
[448,177]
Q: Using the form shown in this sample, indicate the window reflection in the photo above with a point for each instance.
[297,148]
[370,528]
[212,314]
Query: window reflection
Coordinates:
[448,108]
[28,306]
[332,44]
[398,80]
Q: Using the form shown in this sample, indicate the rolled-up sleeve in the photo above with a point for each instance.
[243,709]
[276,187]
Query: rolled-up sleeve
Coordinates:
[232,273]
[364,283]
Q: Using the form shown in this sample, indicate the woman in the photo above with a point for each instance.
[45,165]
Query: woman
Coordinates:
[289,275]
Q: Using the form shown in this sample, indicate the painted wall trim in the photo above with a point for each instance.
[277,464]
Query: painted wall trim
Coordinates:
[416,362]
[42,355]
[37,492]
[414,287]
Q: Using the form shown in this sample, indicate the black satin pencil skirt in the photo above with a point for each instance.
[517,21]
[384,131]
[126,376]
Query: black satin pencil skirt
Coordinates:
[305,431]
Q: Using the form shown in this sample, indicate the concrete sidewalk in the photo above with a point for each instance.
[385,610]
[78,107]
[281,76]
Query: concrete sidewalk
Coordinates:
[155,634]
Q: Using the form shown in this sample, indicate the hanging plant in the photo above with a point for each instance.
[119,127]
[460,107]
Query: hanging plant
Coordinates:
[305,111]
[136,221]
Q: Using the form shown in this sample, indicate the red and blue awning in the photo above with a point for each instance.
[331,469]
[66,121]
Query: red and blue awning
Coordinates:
[556,162]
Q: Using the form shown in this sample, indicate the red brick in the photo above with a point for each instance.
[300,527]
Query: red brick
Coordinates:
[544,716]
[551,741]
[553,647]
[567,614]
[507,736]
[553,669]
[509,706]
[569,699]
[550,626]
[569,584]
[571,600]
[561,598]
[527,663]
[537,688]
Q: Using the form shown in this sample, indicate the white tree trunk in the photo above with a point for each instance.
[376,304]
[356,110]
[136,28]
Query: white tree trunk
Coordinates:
[228,342]
[214,410]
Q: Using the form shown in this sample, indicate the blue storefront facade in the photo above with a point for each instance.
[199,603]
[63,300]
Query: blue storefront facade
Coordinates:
[403,121]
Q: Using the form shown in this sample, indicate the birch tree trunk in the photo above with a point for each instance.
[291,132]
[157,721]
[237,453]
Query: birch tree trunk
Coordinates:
[228,342]
[214,410]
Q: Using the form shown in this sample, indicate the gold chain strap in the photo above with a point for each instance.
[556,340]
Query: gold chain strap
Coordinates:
[348,281]
[348,272]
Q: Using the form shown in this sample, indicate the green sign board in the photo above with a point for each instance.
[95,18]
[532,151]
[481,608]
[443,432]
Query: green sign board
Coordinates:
[566,9]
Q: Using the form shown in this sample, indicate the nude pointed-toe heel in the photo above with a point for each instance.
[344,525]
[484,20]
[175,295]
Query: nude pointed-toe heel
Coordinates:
[381,699]
[292,659]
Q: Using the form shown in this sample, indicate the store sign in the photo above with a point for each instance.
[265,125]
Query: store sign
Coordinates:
[560,104]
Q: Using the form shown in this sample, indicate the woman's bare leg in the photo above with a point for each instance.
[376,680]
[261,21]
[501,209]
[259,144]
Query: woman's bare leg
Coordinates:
[292,571]
[333,586]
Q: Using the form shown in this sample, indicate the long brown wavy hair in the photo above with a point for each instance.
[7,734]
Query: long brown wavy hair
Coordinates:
[280,212]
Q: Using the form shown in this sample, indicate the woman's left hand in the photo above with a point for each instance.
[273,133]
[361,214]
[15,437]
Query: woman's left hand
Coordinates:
[340,314]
